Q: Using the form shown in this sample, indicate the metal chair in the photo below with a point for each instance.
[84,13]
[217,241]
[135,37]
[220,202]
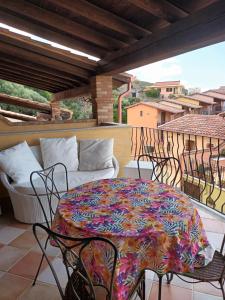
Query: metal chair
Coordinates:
[48,194]
[79,284]
[164,169]
[213,272]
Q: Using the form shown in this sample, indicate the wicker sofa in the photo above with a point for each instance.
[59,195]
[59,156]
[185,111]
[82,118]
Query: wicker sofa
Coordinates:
[25,205]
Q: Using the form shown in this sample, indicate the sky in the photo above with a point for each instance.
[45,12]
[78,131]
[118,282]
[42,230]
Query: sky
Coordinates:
[203,68]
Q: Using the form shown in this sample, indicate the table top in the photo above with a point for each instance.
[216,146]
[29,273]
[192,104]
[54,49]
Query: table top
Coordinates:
[125,207]
[153,226]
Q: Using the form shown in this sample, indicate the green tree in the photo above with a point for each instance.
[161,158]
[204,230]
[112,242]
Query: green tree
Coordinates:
[153,93]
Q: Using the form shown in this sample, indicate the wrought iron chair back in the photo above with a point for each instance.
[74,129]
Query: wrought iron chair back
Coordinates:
[214,271]
[51,193]
[164,169]
[74,251]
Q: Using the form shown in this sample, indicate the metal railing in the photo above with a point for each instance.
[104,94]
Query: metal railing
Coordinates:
[202,161]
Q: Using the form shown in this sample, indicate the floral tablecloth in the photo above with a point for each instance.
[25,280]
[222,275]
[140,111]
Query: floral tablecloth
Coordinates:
[153,226]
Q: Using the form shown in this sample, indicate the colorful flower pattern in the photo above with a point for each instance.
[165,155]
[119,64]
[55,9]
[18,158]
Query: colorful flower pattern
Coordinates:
[152,225]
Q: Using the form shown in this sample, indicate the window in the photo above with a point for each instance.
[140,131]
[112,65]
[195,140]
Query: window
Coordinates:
[169,89]
[149,149]
[190,145]
[134,94]
[141,113]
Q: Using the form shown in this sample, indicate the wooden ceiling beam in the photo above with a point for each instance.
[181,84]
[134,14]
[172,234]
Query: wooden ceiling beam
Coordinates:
[12,76]
[43,107]
[71,93]
[21,69]
[47,50]
[62,24]
[34,67]
[21,23]
[28,83]
[24,74]
[103,17]
[162,9]
[203,28]
[40,59]
[24,103]
[18,116]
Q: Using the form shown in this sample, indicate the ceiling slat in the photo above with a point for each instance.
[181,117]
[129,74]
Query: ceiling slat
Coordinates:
[103,17]
[50,34]
[61,24]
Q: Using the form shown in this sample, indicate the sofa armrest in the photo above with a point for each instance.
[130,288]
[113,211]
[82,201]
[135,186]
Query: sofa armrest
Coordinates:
[116,166]
[5,181]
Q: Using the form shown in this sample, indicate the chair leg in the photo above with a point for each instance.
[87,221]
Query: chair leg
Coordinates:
[38,270]
[160,287]
[222,288]
[42,258]
[169,277]
[143,288]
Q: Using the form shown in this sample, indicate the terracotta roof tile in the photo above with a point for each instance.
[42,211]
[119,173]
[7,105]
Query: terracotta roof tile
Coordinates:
[202,98]
[215,94]
[167,83]
[176,101]
[205,125]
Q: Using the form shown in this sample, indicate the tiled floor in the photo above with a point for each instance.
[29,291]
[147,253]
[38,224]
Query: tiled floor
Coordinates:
[20,256]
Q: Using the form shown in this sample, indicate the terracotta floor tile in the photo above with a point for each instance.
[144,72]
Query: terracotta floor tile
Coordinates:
[40,291]
[52,251]
[206,288]
[12,286]
[1,273]
[178,282]
[47,277]
[28,265]
[9,256]
[200,296]
[170,292]
[8,234]
[25,240]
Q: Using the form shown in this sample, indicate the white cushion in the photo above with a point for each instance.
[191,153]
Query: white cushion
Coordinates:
[60,150]
[95,154]
[74,179]
[19,162]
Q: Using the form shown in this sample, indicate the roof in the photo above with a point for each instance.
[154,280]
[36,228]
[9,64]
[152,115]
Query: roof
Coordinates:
[166,83]
[183,103]
[44,66]
[201,98]
[215,94]
[158,106]
[123,35]
[205,125]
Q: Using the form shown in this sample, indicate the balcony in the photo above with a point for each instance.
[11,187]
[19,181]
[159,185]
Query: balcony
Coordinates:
[201,158]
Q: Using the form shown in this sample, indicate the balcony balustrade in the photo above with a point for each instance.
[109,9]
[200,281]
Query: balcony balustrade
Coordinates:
[202,161]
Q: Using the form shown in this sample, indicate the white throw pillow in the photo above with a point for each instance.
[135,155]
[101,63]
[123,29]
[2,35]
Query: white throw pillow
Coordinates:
[19,162]
[95,154]
[60,150]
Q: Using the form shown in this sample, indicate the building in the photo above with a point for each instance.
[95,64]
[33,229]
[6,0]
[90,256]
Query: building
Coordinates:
[168,88]
[189,108]
[219,99]
[151,114]
[205,101]
[194,127]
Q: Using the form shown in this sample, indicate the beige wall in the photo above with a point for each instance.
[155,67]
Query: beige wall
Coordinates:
[12,134]
[149,116]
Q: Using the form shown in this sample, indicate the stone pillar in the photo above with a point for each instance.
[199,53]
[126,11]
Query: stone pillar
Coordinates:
[55,111]
[101,93]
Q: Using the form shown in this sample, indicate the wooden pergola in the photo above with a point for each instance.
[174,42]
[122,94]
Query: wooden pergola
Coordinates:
[122,34]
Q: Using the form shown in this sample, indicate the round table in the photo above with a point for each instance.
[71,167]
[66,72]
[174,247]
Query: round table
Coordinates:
[153,226]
